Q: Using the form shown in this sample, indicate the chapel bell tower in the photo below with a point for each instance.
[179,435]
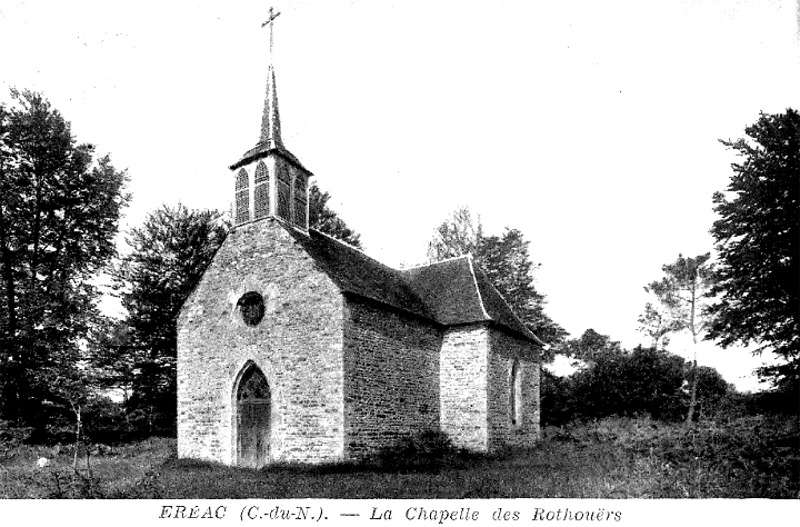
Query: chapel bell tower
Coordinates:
[269,181]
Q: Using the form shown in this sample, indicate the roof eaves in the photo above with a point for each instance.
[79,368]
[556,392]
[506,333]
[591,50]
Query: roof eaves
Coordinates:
[428,319]
[261,150]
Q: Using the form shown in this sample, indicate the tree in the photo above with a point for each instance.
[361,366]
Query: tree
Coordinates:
[506,261]
[325,219]
[686,282]
[112,357]
[459,234]
[622,382]
[169,254]
[656,323]
[629,383]
[59,213]
[757,238]
[590,347]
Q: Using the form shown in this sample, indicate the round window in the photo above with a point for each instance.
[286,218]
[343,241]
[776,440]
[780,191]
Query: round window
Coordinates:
[251,307]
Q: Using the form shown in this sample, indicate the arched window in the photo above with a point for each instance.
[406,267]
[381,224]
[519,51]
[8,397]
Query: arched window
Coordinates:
[261,192]
[284,192]
[515,394]
[300,199]
[242,197]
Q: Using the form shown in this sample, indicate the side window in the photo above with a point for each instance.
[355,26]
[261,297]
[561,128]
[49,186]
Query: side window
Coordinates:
[261,192]
[242,197]
[515,393]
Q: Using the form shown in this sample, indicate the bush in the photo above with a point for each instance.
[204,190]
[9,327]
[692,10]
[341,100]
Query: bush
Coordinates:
[12,436]
[104,422]
[642,382]
[557,400]
[768,403]
[430,449]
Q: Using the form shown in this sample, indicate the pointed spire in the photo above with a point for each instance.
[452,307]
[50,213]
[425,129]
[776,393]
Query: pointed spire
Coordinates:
[270,138]
[271,120]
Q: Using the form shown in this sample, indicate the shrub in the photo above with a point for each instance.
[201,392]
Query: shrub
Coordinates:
[104,421]
[12,436]
[557,399]
[430,449]
[642,382]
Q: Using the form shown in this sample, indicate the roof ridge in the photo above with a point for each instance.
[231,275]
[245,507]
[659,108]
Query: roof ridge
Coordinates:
[510,310]
[337,240]
[466,255]
[477,289]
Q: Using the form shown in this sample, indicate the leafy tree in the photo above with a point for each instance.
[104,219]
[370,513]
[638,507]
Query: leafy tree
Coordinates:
[59,213]
[325,219]
[681,291]
[626,383]
[758,240]
[506,261]
[169,254]
[113,361]
[459,234]
[590,347]
[623,383]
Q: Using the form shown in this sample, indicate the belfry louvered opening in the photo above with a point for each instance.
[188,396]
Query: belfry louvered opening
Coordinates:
[284,192]
[261,192]
[300,202]
[242,197]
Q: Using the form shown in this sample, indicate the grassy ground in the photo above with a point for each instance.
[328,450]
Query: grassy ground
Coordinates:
[611,458]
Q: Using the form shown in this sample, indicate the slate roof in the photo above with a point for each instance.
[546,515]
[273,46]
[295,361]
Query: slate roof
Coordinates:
[355,272]
[450,292]
[261,150]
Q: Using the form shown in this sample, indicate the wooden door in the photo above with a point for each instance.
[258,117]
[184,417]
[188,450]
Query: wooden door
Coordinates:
[253,419]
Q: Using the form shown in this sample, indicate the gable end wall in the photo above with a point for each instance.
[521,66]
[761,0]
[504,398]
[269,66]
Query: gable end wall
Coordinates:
[298,346]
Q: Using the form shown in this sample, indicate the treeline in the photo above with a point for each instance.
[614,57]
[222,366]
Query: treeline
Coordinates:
[611,381]
[62,359]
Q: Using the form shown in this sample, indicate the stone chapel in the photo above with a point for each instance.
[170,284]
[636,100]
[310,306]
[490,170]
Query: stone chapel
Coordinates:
[296,347]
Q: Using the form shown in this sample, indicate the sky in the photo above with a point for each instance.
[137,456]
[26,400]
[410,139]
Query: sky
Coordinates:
[592,127]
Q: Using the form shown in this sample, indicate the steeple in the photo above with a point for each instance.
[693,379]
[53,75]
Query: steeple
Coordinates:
[270,182]
[271,120]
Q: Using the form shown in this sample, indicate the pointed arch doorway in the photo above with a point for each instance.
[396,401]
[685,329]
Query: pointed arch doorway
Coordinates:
[253,418]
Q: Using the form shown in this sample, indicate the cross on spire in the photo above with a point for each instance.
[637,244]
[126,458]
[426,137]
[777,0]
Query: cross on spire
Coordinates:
[271,121]
[270,22]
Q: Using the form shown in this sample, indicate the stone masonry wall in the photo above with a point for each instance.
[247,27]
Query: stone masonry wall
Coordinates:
[298,346]
[464,370]
[502,432]
[391,365]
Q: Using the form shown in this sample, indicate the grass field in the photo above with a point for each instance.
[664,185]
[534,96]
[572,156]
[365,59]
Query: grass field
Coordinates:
[610,458]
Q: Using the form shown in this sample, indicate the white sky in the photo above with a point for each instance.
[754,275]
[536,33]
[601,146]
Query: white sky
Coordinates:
[590,126]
